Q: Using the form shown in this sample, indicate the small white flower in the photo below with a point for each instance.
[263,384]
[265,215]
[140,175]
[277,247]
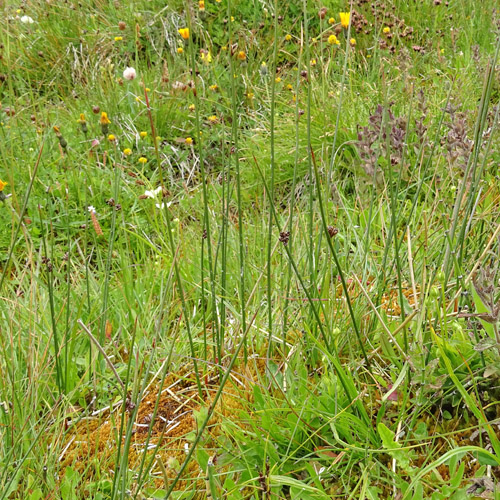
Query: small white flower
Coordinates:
[161,206]
[27,20]
[91,209]
[154,193]
[129,73]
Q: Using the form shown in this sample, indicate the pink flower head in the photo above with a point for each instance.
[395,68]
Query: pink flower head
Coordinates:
[129,73]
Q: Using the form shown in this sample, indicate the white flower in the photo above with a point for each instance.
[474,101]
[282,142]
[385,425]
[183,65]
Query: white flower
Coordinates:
[160,206]
[27,20]
[129,73]
[154,193]
[91,209]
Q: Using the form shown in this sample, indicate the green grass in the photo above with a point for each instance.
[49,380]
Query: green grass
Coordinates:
[287,287]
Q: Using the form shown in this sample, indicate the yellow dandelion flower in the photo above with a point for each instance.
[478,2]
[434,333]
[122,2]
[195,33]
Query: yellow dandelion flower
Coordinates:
[111,138]
[180,50]
[288,37]
[118,38]
[184,32]
[331,20]
[143,134]
[313,62]
[352,41]
[2,185]
[241,55]
[344,19]
[386,30]
[212,119]
[189,141]
[127,151]
[81,119]
[277,79]
[201,5]
[289,86]
[191,107]
[104,120]
[214,87]
[142,160]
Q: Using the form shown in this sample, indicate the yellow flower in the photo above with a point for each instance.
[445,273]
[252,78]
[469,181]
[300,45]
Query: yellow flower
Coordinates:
[111,138]
[127,151]
[313,62]
[180,50]
[142,160]
[2,185]
[118,38]
[212,119]
[352,41]
[386,30]
[241,55]
[213,87]
[189,141]
[333,40]
[206,57]
[104,120]
[184,32]
[201,4]
[232,19]
[331,20]
[277,79]
[81,119]
[289,86]
[288,37]
[191,107]
[344,19]
[250,95]
[143,134]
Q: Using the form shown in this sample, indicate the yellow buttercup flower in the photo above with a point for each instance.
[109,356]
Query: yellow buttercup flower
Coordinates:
[288,37]
[184,32]
[127,151]
[118,38]
[241,55]
[111,138]
[331,20]
[386,30]
[212,119]
[2,185]
[344,19]
[180,50]
[352,41]
[143,134]
[189,141]
[142,160]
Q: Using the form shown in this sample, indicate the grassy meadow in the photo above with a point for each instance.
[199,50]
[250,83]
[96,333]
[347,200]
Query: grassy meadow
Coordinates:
[249,250]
